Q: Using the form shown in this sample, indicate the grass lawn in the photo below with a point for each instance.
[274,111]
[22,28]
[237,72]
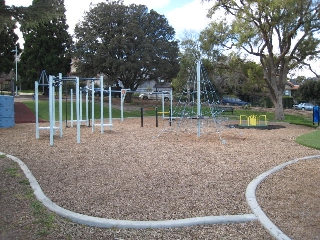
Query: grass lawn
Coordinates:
[66,110]
[116,113]
[293,119]
[311,140]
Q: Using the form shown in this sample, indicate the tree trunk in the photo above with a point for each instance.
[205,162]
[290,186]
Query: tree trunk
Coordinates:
[276,99]
[276,84]
[128,98]
[279,113]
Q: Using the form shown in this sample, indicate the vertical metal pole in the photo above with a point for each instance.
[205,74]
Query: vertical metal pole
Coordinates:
[198,96]
[36,84]
[67,105]
[42,77]
[162,98]
[16,50]
[92,106]
[101,103]
[80,98]
[71,106]
[60,103]
[110,108]
[51,98]
[123,94]
[77,110]
[53,104]
[141,114]
[171,106]
[156,117]
[87,106]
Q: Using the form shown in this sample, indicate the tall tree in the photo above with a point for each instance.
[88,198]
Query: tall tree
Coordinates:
[229,73]
[47,47]
[310,90]
[282,34]
[126,43]
[8,41]
[188,56]
[44,10]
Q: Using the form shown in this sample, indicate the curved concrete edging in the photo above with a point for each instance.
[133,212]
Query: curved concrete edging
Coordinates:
[252,201]
[112,223]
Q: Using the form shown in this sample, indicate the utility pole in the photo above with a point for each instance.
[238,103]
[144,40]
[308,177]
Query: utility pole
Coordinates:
[16,58]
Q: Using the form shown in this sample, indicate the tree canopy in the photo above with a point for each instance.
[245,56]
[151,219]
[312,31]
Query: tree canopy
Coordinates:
[8,40]
[283,35]
[310,90]
[230,74]
[47,47]
[126,43]
[40,10]
[188,57]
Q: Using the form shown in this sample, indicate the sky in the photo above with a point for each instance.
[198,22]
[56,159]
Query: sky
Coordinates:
[182,15]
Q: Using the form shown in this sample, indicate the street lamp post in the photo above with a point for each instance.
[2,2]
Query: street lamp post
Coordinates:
[16,58]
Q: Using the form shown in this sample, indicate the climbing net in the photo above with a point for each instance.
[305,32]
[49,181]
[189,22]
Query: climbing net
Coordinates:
[198,108]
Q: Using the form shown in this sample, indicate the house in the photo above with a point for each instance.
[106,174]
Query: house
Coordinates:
[291,88]
[152,85]
[163,86]
[6,82]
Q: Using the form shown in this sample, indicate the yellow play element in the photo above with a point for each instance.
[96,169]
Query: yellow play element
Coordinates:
[253,120]
[163,112]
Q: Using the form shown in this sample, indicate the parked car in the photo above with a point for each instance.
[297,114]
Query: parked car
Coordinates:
[115,92]
[88,90]
[85,89]
[155,96]
[233,101]
[304,106]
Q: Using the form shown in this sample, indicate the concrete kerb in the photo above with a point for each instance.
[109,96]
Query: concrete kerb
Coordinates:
[252,201]
[112,223]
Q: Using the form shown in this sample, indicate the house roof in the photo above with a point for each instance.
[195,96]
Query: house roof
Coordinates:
[163,85]
[291,85]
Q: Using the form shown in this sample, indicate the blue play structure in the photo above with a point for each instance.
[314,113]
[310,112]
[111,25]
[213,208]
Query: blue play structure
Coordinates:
[316,115]
[6,111]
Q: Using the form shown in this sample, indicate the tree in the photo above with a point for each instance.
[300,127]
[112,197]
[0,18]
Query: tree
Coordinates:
[28,16]
[44,10]
[188,57]
[281,34]
[127,44]
[47,47]
[229,74]
[241,77]
[310,90]
[8,41]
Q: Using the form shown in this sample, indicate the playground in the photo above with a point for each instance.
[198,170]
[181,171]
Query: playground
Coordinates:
[133,173]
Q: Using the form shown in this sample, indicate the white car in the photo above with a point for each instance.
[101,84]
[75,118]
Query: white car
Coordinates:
[155,96]
[304,106]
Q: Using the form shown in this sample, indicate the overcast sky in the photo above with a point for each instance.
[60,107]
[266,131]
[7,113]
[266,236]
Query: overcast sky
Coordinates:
[183,15]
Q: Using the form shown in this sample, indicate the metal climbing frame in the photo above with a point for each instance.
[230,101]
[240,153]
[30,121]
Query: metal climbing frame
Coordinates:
[57,82]
[198,107]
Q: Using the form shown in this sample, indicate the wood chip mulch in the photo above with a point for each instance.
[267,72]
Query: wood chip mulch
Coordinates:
[152,173]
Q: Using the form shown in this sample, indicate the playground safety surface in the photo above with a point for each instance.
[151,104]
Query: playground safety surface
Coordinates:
[22,114]
[127,173]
